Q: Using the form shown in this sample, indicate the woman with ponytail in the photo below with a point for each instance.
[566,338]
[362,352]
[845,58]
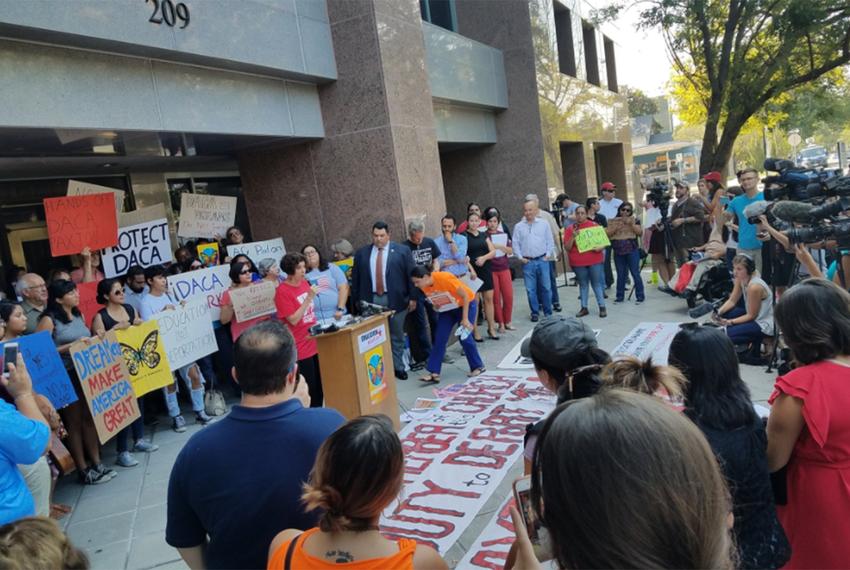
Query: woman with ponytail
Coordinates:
[358,472]
[664,382]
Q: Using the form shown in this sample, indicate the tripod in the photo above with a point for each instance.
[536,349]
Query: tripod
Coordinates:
[773,361]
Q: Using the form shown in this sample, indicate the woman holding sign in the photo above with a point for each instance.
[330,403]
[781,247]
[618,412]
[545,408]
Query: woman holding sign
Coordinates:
[241,276]
[587,264]
[63,320]
[455,304]
[624,230]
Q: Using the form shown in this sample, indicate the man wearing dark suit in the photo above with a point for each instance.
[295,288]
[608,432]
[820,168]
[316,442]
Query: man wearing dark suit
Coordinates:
[381,275]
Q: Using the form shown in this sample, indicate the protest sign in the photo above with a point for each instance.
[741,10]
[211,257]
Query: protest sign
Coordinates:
[490,550]
[88,301]
[209,282]
[142,244]
[591,238]
[77,188]
[48,374]
[253,301]
[106,384]
[145,357]
[208,254]
[456,457]
[376,371]
[147,214]
[259,250]
[205,215]
[187,332]
[77,222]
[649,340]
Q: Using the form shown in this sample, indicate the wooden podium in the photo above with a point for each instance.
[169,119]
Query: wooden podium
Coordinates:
[356,363]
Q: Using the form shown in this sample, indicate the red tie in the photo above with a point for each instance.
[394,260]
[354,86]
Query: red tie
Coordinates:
[379,272]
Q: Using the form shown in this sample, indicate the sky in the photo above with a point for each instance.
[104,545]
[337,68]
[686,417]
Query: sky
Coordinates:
[642,59]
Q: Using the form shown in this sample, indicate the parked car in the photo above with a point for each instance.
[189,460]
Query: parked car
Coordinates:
[813,157]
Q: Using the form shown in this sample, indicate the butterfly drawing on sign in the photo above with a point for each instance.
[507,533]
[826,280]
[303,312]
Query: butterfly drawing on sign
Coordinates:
[146,355]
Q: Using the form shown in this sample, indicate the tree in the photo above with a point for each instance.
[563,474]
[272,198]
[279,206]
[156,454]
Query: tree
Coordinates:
[738,55]
[639,103]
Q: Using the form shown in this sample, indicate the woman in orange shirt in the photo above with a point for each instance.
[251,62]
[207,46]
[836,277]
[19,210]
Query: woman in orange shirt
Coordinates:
[359,471]
[455,304]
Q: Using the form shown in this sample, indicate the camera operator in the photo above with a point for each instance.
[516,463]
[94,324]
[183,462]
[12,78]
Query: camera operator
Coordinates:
[566,209]
[748,244]
[659,250]
[686,222]
[781,252]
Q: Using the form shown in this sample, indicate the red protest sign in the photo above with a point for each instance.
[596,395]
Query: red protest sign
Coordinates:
[88,304]
[77,222]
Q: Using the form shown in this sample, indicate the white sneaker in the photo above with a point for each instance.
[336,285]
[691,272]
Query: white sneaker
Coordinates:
[126,459]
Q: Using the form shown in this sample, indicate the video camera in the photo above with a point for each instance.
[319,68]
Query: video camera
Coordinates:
[659,194]
[801,184]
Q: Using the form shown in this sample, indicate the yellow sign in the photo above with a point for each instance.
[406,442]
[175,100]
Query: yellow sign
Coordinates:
[592,238]
[377,374]
[145,356]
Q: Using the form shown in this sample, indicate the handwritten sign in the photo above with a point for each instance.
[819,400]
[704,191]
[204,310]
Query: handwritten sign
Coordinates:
[253,301]
[144,354]
[187,332]
[106,384]
[592,238]
[259,250]
[77,222]
[208,254]
[77,188]
[48,374]
[88,301]
[210,282]
[204,215]
[143,244]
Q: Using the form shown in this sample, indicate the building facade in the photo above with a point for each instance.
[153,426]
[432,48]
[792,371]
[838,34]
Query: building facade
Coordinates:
[319,115]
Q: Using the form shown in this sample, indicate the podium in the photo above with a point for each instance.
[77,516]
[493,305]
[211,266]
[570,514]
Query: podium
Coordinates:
[356,363]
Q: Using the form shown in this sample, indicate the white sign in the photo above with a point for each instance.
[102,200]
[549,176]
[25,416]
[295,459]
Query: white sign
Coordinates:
[145,244]
[187,332]
[648,339]
[499,239]
[77,188]
[205,216]
[259,250]
[253,301]
[210,283]
[794,139]
[473,283]
[372,338]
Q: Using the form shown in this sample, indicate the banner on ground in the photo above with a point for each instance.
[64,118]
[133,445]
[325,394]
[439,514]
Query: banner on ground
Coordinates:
[187,332]
[490,550]
[145,244]
[77,188]
[253,301]
[592,238]
[259,250]
[210,283]
[457,456]
[45,367]
[77,222]
[106,384]
[88,301]
[648,339]
[145,356]
[205,215]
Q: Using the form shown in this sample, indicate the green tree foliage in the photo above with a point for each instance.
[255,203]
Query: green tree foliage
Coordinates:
[639,103]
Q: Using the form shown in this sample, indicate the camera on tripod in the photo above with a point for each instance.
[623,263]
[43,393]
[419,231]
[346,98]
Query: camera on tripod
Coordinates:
[659,194]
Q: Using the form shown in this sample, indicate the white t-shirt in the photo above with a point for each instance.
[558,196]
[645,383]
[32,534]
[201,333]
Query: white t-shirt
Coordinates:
[151,305]
[609,209]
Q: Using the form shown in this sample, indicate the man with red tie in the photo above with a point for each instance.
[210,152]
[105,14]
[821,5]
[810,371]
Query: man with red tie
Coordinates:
[381,275]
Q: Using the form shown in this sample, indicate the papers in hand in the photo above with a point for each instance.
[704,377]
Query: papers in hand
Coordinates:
[442,301]
[473,283]
[499,239]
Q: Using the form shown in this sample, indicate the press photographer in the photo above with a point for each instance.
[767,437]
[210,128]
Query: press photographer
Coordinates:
[686,222]
[661,245]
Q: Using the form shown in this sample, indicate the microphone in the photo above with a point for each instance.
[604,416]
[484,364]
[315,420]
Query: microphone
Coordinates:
[793,211]
[704,309]
[369,309]
[756,209]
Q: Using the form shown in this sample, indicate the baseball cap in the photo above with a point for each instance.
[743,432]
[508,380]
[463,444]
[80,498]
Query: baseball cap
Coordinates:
[608,186]
[712,176]
[555,338]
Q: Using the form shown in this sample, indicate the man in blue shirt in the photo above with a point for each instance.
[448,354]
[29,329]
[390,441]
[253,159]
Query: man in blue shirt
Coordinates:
[452,248]
[533,244]
[748,243]
[24,439]
[237,483]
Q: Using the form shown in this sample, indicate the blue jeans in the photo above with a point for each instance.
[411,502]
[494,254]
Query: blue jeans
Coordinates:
[630,261]
[445,323]
[743,333]
[553,282]
[138,429]
[593,276]
[536,275]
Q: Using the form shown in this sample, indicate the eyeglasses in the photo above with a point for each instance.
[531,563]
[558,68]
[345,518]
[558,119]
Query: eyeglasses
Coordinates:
[246,272]
[626,210]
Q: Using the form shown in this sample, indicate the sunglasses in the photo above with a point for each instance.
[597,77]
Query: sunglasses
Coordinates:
[247,272]
[626,210]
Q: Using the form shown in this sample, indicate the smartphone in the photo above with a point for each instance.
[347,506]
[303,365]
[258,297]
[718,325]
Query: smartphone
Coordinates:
[536,532]
[10,356]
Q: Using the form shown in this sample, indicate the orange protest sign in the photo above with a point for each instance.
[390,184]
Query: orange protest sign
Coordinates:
[77,222]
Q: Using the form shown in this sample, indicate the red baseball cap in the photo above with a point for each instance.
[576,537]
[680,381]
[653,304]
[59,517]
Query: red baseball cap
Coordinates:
[608,187]
[712,176]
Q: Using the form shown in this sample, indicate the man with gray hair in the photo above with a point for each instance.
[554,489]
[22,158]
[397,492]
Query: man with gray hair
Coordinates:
[421,316]
[553,259]
[533,244]
[33,290]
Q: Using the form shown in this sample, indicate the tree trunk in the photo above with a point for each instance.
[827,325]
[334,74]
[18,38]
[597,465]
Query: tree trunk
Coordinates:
[717,155]
[709,142]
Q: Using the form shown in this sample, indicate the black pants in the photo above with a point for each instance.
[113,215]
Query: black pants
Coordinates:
[609,271]
[309,368]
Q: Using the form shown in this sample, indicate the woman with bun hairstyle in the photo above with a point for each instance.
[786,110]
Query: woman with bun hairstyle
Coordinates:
[631,373]
[358,472]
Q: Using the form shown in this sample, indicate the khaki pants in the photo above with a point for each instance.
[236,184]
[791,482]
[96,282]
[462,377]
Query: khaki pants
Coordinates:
[38,480]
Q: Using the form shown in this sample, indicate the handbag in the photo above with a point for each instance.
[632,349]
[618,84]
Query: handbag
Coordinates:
[59,455]
[214,403]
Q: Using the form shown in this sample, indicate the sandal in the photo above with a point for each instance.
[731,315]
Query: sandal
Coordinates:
[510,327]
[430,379]
[476,372]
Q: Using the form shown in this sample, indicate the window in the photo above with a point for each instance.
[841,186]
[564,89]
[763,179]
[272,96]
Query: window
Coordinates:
[591,60]
[440,13]
[611,65]
[564,38]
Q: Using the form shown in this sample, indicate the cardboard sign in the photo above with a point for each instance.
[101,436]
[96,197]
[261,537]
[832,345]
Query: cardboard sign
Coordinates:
[259,250]
[77,222]
[106,384]
[142,215]
[88,301]
[204,215]
[144,354]
[77,188]
[376,372]
[187,332]
[253,301]
[210,282]
[208,254]
[592,238]
[142,244]
[49,377]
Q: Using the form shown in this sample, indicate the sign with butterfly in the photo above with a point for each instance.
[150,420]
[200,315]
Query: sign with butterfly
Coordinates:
[144,353]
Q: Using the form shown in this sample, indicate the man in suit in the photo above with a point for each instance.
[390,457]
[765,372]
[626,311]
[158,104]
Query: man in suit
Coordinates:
[381,275]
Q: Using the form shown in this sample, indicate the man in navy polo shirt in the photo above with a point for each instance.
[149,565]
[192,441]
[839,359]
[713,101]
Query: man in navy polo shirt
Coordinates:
[237,483]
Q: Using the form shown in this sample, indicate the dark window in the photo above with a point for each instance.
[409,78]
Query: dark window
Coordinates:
[440,13]
[591,60]
[611,65]
[564,38]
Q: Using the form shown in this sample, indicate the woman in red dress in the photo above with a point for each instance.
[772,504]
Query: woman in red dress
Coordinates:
[809,426]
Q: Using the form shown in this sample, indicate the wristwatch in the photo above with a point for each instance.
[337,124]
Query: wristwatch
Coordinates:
[340,309]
